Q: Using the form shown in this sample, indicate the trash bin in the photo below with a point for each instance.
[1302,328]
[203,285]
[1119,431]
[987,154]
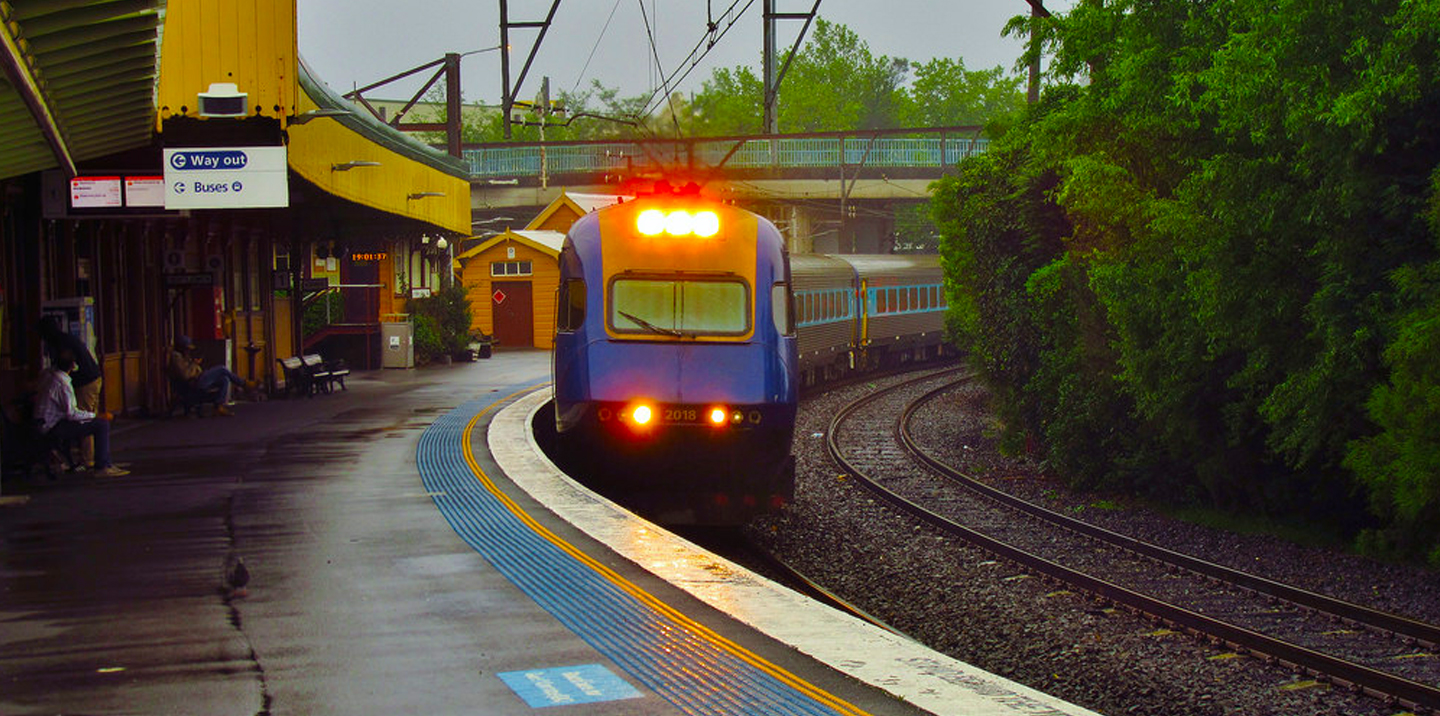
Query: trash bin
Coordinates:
[397,345]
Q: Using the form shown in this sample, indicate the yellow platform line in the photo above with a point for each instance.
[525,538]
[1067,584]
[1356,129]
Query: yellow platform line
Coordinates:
[644,597]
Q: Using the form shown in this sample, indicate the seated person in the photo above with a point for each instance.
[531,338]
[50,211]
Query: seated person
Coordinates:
[186,368]
[60,418]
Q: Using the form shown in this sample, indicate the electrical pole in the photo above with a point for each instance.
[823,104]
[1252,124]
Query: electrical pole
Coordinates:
[773,78]
[1037,11]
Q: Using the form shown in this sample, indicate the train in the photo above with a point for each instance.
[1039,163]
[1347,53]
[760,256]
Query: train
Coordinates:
[683,333]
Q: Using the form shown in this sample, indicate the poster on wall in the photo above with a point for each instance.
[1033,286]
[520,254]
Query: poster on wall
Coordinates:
[95,193]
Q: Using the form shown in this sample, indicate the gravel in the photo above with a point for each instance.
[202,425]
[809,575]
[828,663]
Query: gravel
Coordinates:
[966,603]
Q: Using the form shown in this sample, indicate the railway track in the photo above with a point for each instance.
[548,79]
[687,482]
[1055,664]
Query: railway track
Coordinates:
[1348,645]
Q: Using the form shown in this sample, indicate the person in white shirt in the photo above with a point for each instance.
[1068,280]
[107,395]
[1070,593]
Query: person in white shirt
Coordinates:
[59,416]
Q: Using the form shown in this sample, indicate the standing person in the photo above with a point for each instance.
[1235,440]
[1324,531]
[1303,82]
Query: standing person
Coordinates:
[186,368]
[59,416]
[86,380]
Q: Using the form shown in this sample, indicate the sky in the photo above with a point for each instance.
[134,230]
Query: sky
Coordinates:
[351,43]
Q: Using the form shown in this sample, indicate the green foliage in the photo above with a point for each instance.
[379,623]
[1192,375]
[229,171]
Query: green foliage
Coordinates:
[327,309]
[835,83]
[442,323]
[944,93]
[1205,264]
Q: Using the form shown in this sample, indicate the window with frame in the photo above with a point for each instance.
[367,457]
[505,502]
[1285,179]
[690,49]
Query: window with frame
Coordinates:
[500,269]
[679,307]
[571,305]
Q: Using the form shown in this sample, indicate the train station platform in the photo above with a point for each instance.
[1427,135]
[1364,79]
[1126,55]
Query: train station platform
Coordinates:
[410,553]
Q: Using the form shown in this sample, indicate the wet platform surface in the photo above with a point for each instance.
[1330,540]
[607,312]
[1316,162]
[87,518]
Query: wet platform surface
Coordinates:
[366,597]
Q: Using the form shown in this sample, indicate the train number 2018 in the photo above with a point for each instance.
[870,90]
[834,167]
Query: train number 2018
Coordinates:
[681,415]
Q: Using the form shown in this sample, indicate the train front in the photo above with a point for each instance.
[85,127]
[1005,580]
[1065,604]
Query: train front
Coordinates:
[675,358]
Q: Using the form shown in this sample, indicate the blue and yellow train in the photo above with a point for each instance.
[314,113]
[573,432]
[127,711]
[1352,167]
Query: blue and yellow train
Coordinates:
[678,354]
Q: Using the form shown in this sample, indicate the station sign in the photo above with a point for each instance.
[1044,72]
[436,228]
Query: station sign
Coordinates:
[226,178]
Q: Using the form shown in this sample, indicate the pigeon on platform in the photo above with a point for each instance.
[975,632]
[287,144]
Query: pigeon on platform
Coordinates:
[236,575]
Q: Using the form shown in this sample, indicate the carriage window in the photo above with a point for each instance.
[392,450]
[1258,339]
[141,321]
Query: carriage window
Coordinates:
[571,305]
[675,308]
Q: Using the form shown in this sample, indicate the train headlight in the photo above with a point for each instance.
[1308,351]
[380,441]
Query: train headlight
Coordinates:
[641,414]
[707,224]
[718,416]
[679,223]
[650,222]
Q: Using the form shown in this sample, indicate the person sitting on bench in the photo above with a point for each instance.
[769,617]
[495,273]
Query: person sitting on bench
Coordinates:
[61,419]
[215,380]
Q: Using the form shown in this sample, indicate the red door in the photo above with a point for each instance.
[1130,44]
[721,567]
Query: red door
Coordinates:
[362,305]
[511,306]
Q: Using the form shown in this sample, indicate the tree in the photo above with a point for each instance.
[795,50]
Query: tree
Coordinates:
[944,93]
[1244,256]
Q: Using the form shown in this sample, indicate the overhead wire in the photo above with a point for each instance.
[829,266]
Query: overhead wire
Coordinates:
[655,53]
[581,77]
[692,59]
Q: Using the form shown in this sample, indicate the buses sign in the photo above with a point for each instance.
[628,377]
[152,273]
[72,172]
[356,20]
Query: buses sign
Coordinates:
[226,178]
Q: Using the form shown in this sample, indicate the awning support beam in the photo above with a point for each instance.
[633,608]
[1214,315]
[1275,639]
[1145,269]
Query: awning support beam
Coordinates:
[18,72]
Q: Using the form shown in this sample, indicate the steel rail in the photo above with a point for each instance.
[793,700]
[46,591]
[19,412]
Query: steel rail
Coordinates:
[1411,694]
[1423,634]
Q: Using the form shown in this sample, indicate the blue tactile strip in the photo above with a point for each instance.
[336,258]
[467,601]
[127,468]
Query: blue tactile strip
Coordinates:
[697,670]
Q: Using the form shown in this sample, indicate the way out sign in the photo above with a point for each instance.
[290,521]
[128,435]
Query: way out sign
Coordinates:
[226,178]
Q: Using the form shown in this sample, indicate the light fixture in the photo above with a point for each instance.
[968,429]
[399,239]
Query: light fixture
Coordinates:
[223,99]
[347,166]
[424,194]
[441,243]
[304,117]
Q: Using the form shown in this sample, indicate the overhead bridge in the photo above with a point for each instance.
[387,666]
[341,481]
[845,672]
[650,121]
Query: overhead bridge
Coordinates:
[872,164]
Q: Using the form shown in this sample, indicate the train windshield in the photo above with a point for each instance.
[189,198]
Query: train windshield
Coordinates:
[679,307]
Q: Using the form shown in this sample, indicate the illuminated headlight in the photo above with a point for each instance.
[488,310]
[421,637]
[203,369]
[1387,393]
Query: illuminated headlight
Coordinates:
[679,223]
[650,222]
[718,416]
[706,224]
[641,414]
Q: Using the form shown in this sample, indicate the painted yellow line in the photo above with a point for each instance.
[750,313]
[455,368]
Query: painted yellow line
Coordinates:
[644,597]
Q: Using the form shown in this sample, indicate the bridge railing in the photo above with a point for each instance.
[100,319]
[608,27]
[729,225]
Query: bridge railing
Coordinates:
[933,148]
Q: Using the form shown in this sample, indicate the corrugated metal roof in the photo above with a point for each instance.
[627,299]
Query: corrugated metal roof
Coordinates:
[546,242]
[78,81]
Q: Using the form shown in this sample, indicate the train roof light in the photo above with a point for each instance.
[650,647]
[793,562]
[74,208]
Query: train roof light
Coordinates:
[677,222]
[707,224]
[650,222]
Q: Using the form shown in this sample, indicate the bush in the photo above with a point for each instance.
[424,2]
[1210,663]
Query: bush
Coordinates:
[321,312]
[442,324]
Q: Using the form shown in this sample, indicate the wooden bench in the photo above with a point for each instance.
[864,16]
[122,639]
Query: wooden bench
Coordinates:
[324,375]
[338,371]
[297,376]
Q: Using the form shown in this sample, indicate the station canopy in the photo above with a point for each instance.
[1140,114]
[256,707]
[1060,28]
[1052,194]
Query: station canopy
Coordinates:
[78,81]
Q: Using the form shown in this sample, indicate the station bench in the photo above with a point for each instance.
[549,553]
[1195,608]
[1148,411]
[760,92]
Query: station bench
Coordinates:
[310,374]
[325,375]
